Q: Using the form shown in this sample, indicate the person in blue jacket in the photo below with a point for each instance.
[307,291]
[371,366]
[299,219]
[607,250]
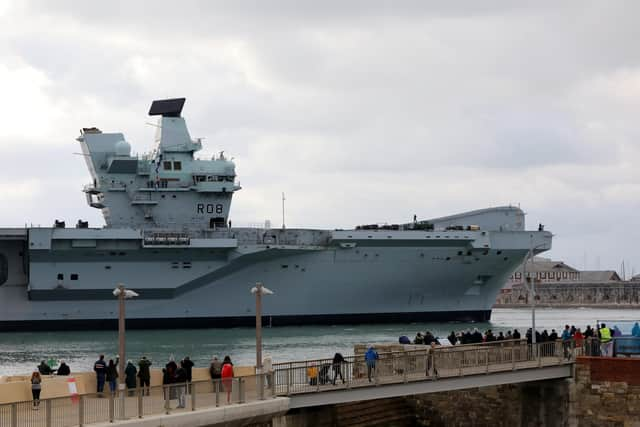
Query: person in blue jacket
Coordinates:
[370,358]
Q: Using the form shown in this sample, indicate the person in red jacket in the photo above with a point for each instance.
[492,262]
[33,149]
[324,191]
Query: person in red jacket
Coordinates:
[227,376]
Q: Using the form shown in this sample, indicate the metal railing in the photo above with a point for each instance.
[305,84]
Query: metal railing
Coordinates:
[419,364]
[105,407]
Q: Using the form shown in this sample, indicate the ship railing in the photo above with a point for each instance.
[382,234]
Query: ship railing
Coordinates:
[430,363]
[136,403]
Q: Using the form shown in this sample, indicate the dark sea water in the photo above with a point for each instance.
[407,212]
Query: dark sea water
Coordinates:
[21,352]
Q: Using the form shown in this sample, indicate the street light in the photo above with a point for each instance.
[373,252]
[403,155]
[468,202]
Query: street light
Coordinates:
[532,290]
[122,293]
[258,290]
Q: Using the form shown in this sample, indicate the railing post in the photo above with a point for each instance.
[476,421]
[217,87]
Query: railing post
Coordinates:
[560,351]
[513,358]
[216,385]
[193,395]
[140,407]
[80,410]
[405,367]
[486,361]
[14,415]
[460,362]
[167,398]
[261,383]
[289,380]
[272,383]
[241,390]
[111,408]
[47,414]
[349,373]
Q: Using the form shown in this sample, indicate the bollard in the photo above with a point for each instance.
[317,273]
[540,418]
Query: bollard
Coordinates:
[47,413]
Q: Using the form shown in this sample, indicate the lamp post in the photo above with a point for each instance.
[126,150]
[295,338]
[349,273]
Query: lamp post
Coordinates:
[532,290]
[122,293]
[258,290]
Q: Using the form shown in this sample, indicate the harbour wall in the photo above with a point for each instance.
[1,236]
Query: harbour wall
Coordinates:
[598,294]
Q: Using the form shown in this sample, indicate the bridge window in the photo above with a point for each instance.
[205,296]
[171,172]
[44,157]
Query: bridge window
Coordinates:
[74,276]
[166,166]
[177,166]
[60,276]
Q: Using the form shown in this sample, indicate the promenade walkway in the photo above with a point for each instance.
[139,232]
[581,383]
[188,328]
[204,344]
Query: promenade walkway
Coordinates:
[307,383]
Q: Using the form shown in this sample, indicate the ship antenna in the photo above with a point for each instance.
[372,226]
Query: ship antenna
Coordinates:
[283,199]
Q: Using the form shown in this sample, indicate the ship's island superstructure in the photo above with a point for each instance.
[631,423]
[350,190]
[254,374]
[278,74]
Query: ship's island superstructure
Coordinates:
[168,236]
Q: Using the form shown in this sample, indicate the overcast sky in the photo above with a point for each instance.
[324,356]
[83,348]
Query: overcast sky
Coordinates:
[359,111]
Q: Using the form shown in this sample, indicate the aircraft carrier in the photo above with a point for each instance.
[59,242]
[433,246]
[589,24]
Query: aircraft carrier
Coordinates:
[167,235]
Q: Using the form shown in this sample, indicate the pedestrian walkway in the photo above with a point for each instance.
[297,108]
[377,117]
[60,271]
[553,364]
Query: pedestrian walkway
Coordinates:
[310,383]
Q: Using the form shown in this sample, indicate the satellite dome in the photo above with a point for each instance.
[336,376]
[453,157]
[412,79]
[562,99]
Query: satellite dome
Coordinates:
[123,148]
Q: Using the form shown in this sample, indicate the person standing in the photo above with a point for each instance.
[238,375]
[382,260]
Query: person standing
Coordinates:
[144,374]
[267,369]
[370,358]
[605,340]
[187,364]
[168,377]
[63,369]
[36,388]
[130,376]
[338,360]
[100,367]
[181,380]
[112,374]
[44,368]
[566,342]
[227,376]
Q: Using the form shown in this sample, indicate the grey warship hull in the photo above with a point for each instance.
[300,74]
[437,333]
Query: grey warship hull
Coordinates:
[167,236]
[354,277]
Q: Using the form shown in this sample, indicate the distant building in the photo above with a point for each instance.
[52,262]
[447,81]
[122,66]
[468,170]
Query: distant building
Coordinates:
[560,284]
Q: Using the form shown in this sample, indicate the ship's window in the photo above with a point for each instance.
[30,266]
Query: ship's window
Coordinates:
[201,178]
[174,196]
[107,267]
[74,276]
[459,253]
[166,166]
[284,266]
[162,196]
[60,276]
[221,178]
[499,253]
[177,166]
